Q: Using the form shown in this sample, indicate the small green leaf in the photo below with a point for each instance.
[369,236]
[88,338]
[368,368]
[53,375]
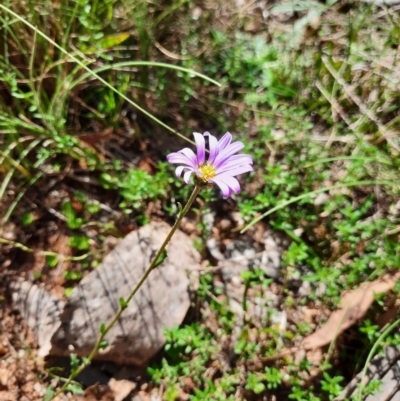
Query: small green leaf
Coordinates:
[80,242]
[48,396]
[161,258]
[86,360]
[93,207]
[37,275]
[68,291]
[109,41]
[180,209]
[27,219]
[123,303]
[107,181]
[246,275]
[51,260]
[73,221]
[71,275]
[103,344]
[74,361]
[259,388]
[75,388]
[102,328]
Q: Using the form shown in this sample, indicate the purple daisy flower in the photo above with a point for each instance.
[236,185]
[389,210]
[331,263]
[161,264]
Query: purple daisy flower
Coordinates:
[221,167]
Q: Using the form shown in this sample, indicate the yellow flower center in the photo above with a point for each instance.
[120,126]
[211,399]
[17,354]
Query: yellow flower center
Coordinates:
[208,172]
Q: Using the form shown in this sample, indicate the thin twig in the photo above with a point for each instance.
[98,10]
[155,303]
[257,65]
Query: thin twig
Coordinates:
[44,253]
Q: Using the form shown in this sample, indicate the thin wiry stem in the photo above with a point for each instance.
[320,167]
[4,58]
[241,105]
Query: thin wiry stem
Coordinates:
[86,361]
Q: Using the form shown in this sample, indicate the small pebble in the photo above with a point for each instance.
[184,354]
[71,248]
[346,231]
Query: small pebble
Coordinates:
[3,350]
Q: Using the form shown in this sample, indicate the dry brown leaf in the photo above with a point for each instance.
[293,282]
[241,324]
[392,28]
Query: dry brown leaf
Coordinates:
[97,392]
[353,306]
[121,388]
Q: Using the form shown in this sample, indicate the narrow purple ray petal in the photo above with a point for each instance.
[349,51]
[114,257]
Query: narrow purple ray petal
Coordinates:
[191,156]
[242,159]
[227,152]
[173,155]
[186,176]
[179,170]
[225,141]
[235,161]
[201,148]
[226,191]
[178,158]
[213,145]
[236,170]
[232,182]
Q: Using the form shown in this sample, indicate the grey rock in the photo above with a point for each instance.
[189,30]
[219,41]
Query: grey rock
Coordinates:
[208,220]
[40,310]
[231,269]
[241,249]
[384,367]
[267,258]
[390,388]
[213,248]
[161,303]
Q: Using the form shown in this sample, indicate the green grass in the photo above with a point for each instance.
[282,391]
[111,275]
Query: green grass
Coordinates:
[315,99]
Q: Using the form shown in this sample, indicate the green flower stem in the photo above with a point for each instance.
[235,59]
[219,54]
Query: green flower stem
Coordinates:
[86,361]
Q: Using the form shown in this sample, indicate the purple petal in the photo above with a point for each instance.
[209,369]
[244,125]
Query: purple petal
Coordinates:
[242,159]
[227,153]
[232,182]
[235,161]
[186,176]
[179,170]
[226,191]
[236,170]
[190,155]
[172,156]
[225,141]
[201,148]
[213,145]
[178,158]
